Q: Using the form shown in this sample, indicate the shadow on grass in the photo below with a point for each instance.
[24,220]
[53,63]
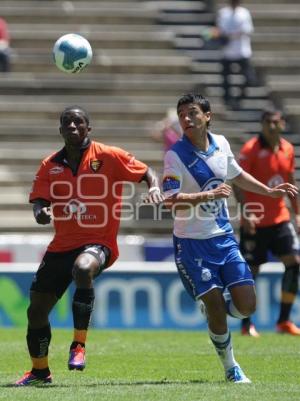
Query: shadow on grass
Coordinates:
[118,383]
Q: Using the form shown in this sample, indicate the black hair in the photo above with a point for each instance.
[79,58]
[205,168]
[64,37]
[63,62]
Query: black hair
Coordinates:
[195,98]
[76,108]
[267,113]
[200,100]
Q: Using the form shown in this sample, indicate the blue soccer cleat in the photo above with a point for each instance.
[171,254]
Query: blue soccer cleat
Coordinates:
[77,358]
[236,375]
[29,379]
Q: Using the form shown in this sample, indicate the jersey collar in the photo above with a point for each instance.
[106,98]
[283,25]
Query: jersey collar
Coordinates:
[212,147]
[61,155]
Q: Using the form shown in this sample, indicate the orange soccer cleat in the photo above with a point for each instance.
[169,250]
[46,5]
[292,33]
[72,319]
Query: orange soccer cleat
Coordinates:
[287,327]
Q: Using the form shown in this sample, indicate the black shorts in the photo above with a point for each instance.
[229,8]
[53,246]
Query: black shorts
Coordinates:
[54,274]
[281,239]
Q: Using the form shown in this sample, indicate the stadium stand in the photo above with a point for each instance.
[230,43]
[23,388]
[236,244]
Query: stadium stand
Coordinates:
[146,54]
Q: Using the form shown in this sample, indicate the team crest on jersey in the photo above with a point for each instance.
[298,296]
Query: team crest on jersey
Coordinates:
[96,165]
[171,182]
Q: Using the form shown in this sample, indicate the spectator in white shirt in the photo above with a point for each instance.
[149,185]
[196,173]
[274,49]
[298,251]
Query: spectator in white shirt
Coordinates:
[235,27]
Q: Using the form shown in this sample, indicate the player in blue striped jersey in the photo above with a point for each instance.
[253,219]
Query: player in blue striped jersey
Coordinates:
[206,252]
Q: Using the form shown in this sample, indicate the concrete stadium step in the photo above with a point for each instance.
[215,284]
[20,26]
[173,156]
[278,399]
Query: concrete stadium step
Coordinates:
[110,132]
[17,175]
[48,147]
[249,3]
[93,12]
[275,62]
[171,5]
[257,92]
[102,40]
[278,15]
[81,12]
[188,30]
[268,42]
[292,110]
[107,61]
[128,103]
[20,221]
[38,130]
[137,108]
[14,196]
[186,18]
[104,84]
[287,86]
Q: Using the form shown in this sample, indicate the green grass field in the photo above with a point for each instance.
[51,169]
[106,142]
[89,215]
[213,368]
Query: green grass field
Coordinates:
[155,365]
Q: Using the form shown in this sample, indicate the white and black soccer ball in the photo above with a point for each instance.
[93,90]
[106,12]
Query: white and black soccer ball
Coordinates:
[72,53]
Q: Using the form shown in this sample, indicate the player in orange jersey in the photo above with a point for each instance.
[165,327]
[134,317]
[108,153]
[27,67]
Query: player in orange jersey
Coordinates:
[266,224]
[82,183]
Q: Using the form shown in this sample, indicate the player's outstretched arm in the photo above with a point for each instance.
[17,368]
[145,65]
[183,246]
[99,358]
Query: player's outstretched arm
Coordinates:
[41,211]
[247,182]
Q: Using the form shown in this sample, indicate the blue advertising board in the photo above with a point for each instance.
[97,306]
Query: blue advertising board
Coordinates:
[137,295]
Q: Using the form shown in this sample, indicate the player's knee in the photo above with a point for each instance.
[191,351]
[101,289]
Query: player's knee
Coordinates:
[248,309]
[82,271]
[36,315]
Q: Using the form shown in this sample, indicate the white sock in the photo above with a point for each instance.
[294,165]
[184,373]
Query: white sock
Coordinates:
[223,346]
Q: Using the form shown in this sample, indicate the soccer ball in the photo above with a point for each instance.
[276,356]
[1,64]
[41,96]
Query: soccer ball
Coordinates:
[72,53]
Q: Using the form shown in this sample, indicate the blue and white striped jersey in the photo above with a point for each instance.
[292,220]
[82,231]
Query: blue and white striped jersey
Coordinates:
[189,170]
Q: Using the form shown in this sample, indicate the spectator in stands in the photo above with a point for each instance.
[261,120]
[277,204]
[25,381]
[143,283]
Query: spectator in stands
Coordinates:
[234,28]
[270,159]
[167,130]
[81,182]
[4,47]
[206,252]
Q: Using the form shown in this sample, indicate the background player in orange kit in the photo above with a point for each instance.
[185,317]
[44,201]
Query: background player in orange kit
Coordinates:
[270,159]
[83,185]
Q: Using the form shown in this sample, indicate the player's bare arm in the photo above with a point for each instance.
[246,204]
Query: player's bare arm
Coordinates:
[186,200]
[154,195]
[247,182]
[41,211]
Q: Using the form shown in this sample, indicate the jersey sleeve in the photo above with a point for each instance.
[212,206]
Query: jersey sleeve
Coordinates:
[233,169]
[128,168]
[172,177]
[41,185]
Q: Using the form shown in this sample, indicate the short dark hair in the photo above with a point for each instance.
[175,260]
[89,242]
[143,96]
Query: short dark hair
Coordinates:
[267,113]
[76,108]
[198,99]
[195,98]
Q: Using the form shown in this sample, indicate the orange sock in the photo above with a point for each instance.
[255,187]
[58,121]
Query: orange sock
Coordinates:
[40,363]
[80,336]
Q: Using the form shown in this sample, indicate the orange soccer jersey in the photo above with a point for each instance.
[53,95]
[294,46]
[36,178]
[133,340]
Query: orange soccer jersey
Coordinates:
[271,168]
[86,206]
